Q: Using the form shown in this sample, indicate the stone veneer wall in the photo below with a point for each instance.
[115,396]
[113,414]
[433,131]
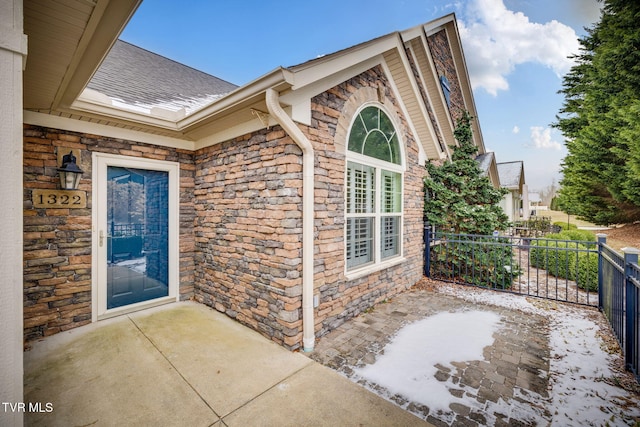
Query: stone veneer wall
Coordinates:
[240,223]
[332,112]
[248,232]
[443,60]
[57,242]
[249,222]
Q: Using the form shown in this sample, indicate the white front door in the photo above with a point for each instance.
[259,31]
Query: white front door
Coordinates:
[135,214]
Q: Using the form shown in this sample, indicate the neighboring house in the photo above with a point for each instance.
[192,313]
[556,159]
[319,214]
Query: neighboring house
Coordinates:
[512,178]
[291,204]
[535,204]
[489,167]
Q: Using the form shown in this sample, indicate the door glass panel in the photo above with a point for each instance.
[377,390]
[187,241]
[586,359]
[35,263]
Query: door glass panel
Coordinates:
[137,236]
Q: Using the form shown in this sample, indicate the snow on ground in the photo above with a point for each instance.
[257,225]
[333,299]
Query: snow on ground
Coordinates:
[137,264]
[578,362]
[407,366]
[578,365]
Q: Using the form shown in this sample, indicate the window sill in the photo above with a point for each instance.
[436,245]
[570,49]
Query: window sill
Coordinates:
[369,269]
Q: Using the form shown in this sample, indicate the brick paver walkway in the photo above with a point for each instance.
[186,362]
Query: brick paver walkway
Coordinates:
[514,367]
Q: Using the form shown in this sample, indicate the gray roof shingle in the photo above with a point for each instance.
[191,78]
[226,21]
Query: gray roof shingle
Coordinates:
[484,161]
[510,173]
[143,80]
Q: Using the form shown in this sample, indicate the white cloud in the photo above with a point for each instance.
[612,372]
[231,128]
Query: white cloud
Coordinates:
[541,138]
[588,11]
[496,39]
[516,129]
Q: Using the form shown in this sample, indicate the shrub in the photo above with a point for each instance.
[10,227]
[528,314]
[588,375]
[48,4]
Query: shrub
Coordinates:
[579,235]
[556,236]
[562,255]
[479,261]
[552,255]
[573,234]
[588,271]
[566,225]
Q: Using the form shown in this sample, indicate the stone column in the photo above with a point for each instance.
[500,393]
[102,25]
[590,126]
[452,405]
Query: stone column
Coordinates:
[12,52]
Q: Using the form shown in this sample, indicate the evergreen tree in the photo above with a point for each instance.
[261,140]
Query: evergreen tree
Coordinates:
[458,196]
[600,119]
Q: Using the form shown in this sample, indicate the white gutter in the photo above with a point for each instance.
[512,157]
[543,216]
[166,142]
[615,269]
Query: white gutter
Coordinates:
[276,111]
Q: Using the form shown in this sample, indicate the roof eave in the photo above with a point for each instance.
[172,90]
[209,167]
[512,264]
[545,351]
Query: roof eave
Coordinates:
[101,33]
[450,22]
[280,79]
[58,68]
[93,106]
[310,72]
[217,119]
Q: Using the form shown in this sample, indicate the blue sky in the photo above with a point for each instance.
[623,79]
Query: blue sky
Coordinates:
[515,49]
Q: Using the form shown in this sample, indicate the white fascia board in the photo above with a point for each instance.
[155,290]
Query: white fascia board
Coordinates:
[90,96]
[243,128]
[327,81]
[412,33]
[421,105]
[450,25]
[436,25]
[64,123]
[97,104]
[276,77]
[307,74]
[431,26]
[85,105]
[439,98]
[300,99]
[422,154]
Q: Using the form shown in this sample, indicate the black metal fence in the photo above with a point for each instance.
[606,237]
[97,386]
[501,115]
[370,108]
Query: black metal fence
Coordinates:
[125,230]
[561,270]
[612,277]
[586,273]
[619,279]
[632,342]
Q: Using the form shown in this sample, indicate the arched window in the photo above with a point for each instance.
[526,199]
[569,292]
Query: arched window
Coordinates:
[372,134]
[373,190]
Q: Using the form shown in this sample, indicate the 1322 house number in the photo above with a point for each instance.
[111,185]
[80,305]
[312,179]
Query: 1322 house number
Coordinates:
[68,199]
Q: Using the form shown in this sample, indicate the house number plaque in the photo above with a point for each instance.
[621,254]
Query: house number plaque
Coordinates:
[65,199]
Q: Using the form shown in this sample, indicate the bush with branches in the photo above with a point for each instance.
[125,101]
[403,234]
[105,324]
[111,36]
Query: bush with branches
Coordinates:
[565,256]
[460,199]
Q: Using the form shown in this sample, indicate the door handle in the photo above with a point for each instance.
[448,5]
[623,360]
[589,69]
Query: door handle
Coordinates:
[101,240]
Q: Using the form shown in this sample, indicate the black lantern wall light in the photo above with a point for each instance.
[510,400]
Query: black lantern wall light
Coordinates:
[69,172]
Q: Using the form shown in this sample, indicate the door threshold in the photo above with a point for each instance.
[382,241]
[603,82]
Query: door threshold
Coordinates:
[114,312]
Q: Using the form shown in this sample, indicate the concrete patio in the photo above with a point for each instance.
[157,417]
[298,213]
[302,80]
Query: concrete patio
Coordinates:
[185,364]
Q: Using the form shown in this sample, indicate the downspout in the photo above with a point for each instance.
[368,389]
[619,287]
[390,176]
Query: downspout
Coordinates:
[276,111]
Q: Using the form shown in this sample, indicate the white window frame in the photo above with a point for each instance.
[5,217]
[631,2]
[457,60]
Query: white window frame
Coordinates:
[378,263]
